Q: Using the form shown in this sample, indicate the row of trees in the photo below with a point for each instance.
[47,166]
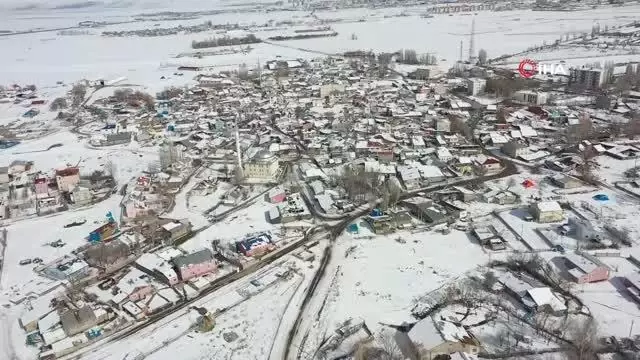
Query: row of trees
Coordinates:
[409,56]
[78,93]
[505,87]
[360,185]
[129,96]
[629,80]
[169,93]
[225,41]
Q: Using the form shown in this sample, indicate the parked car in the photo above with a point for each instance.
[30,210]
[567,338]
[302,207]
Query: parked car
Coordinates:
[36,260]
[564,229]
[25,262]
[107,284]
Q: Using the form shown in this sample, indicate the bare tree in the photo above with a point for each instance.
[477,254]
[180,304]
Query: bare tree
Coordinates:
[482,56]
[384,348]
[408,56]
[122,95]
[360,185]
[110,169]
[58,104]
[583,335]
[586,167]
[104,254]
[581,131]
[78,92]
[459,126]
[153,167]
[633,126]
[384,61]
[169,93]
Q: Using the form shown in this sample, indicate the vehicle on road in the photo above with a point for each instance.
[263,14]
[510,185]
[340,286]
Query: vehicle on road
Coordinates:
[76,222]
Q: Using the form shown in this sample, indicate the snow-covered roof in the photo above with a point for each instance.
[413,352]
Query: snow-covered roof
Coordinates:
[48,322]
[533,155]
[634,279]
[515,284]
[581,263]
[168,253]
[50,337]
[131,308]
[169,294]
[200,283]
[194,258]
[157,302]
[431,171]
[119,297]
[325,202]
[451,331]
[425,333]
[171,225]
[409,173]
[528,131]
[543,296]
[497,138]
[443,153]
[461,355]
[149,261]
[545,206]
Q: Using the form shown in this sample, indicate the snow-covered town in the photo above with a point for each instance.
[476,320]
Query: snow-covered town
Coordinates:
[320,180]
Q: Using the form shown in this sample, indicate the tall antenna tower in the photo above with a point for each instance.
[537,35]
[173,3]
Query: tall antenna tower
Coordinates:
[460,59]
[472,50]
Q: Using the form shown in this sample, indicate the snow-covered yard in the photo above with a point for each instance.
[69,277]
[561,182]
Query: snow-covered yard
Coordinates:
[379,278]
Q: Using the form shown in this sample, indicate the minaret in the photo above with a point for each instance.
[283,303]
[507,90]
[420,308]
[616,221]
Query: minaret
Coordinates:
[460,59]
[239,170]
[472,50]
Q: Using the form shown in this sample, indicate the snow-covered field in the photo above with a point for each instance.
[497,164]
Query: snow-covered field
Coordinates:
[129,160]
[30,56]
[362,280]
[236,225]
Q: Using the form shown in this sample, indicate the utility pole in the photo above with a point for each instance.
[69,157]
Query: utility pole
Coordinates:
[631,327]
[460,51]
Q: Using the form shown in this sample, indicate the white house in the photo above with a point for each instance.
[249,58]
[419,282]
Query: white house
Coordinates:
[444,154]
[530,97]
[443,125]
[263,166]
[410,176]
[547,211]
[475,86]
